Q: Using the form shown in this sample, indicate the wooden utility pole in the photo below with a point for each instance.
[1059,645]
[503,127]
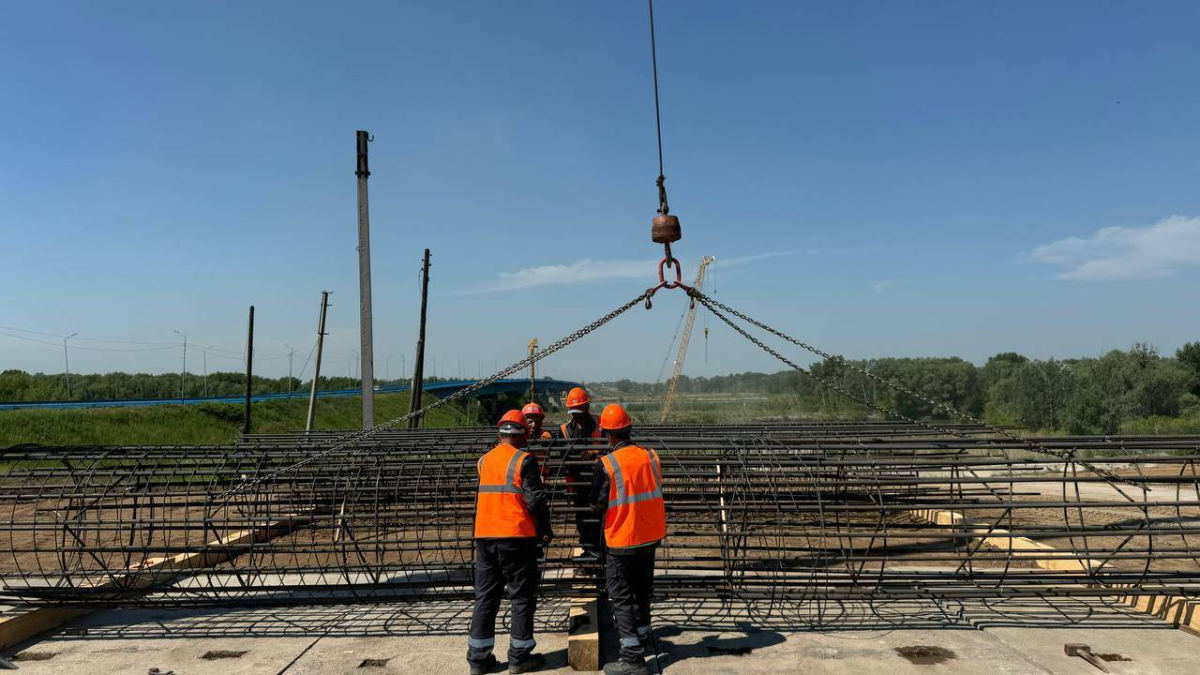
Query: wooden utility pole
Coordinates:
[312,396]
[367,371]
[419,367]
[249,372]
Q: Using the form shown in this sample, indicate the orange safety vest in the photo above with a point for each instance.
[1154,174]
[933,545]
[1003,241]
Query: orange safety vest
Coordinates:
[500,509]
[596,433]
[636,512]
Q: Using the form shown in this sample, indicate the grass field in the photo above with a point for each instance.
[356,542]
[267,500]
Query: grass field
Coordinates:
[205,424]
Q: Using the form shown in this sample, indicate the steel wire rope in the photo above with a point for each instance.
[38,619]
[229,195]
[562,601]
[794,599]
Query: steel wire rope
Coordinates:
[1068,455]
[347,440]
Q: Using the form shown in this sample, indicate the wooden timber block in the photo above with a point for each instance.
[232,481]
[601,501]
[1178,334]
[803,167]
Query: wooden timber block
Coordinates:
[583,632]
[24,623]
[583,637]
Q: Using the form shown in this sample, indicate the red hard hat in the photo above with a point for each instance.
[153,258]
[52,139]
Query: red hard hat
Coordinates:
[532,409]
[577,398]
[614,418]
[513,417]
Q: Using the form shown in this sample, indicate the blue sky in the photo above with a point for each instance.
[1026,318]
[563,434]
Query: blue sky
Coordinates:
[882,179]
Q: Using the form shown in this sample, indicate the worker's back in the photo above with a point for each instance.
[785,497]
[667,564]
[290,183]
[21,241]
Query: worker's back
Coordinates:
[500,509]
[636,514]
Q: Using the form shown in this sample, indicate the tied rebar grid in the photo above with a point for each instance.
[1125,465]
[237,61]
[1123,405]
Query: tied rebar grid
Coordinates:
[777,513]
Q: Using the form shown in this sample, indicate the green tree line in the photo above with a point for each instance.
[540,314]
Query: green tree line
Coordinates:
[18,385]
[1098,395]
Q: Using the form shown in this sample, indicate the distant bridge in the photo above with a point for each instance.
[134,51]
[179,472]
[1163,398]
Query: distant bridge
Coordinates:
[438,389]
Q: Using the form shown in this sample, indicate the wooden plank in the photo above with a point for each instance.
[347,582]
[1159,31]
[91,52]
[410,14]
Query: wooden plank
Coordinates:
[23,623]
[1176,610]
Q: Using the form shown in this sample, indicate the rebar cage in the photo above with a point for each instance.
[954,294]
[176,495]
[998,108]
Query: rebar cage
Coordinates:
[765,514]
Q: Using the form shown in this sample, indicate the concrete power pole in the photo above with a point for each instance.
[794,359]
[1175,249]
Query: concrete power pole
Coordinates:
[312,396]
[364,285]
[414,391]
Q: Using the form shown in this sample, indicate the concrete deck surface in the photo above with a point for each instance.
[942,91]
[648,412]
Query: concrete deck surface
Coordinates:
[979,637]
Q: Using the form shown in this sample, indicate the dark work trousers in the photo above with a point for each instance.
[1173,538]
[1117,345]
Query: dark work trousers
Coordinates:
[504,564]
[630,577]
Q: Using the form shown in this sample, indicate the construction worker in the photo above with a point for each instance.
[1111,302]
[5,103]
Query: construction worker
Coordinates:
[533,418]
[627,491]
[538,437]
[579,429]
[511,520]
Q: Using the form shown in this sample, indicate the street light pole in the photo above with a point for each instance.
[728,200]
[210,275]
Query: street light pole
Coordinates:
[67,363]
[184,370]
[291,352]
[204,356]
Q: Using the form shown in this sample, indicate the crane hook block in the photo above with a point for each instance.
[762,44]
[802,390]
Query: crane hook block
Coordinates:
[666,229]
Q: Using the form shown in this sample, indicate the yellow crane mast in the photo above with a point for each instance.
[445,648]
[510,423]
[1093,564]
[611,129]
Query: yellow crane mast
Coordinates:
[683,341]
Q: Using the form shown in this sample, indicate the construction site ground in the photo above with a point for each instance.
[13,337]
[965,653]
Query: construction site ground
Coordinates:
[946,637]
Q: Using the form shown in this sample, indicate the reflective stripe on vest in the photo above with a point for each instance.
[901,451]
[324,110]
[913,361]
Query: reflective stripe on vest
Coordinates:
[500,510]
[636,513]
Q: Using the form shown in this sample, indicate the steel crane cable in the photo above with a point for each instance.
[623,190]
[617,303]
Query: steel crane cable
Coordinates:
[1068,455]
[348,440]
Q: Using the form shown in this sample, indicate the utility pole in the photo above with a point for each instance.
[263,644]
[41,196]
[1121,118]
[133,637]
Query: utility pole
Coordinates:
[184,369]
[249,371]
[67,363]
[204,357]
[291,353]
[312,396]
[350,363]
[414,391]
[367,370]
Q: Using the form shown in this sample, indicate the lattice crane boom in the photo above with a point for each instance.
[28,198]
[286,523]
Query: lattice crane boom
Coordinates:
[683,341]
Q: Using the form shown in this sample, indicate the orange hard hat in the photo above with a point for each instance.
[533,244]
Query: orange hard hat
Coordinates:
[532,409]
[513,417]
[614,418]
[577,398]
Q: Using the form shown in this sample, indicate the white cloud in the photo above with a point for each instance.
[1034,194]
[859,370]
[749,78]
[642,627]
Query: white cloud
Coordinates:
[1114,253]
[588,270]
[883,286]
[577,272]
[747,259]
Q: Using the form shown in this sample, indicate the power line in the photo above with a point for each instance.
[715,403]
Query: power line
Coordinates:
[86,339]
[90,349]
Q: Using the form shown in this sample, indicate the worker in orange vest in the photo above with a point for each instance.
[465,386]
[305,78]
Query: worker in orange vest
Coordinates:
[578,432]
[627,491]
[539,438]
[511,519]
[533,418]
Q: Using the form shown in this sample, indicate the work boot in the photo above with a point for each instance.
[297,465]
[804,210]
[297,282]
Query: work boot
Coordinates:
[491,665]
[625,668]
[531,662]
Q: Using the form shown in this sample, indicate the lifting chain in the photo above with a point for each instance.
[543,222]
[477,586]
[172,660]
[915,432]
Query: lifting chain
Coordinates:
[1069,455]
[351,439]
